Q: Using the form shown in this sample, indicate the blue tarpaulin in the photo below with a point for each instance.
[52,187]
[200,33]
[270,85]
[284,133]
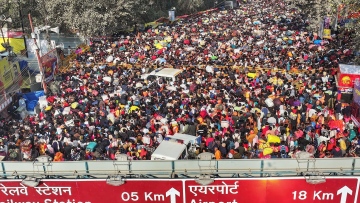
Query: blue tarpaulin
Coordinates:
[32,99]
[24,66]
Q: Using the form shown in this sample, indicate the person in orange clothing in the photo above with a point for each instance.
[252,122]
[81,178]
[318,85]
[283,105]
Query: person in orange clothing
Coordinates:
[59,156]
[250,137]
[217,153]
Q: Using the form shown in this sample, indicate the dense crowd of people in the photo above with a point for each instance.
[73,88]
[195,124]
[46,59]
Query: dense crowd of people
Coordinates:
[255,83]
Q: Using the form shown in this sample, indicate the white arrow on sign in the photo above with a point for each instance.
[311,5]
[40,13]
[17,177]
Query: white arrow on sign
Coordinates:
[344,191]
[172,193]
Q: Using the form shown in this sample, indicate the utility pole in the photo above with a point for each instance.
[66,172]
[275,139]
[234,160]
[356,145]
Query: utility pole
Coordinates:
[38,56]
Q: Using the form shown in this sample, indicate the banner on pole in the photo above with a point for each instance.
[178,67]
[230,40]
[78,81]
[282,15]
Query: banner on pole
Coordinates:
[49,64]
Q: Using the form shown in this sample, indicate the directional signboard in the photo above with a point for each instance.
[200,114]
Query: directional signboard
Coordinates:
[226,191]
[283,190]
[334,190]
[92,191]
[259,190]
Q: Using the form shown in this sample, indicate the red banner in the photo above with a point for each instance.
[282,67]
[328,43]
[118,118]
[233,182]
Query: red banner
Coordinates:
[259,190]
[347,80]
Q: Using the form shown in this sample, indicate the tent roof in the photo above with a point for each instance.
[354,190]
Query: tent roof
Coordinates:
[349,69]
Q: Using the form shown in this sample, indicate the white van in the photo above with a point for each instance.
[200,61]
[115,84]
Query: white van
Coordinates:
[190,141]
[169,150]
[185,138]
[174,147]
[162,76]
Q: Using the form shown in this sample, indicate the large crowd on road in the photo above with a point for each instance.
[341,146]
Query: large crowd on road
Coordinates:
[255,84]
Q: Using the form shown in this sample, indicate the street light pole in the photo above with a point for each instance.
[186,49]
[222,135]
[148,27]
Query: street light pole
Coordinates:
[38,56]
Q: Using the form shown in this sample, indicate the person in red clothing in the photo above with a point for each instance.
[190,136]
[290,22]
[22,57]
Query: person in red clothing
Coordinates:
[331,145]
[265,129]
[208,140]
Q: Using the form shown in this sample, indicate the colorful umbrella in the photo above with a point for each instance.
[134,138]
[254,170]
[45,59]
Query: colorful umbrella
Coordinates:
[267,151]
[317,42]
[312,46]
[214,57]
[95,93]
[336,124]
[68,90]
[251,75]
[133,108]
[296,103]
[158,46]
[158,117]
[74,105]
[273,139]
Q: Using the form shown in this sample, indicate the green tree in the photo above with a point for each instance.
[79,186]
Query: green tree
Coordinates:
[95,17]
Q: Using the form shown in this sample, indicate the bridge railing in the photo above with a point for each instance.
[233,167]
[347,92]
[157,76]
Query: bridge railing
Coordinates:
[182,168]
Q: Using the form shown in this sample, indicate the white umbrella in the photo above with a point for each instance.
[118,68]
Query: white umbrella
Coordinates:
[139,85]
[109,59]
[107,79]
[271,120]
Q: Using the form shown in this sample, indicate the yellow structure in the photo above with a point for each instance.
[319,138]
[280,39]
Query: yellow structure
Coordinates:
[18,44]
[9,73]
